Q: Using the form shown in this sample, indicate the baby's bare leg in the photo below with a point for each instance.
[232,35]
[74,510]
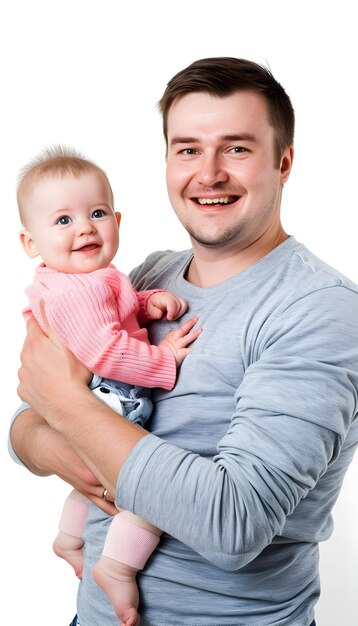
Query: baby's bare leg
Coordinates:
[129,543]
[69,543]
[70,548]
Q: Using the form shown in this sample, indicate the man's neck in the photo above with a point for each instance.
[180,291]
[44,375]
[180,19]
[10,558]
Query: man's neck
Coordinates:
[210,267]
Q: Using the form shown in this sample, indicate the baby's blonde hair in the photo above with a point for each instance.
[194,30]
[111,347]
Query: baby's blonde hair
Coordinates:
[54,161]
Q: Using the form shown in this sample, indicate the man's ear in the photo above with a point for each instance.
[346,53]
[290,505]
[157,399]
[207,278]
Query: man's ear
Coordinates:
[28,244]
[118,218]
[286,164]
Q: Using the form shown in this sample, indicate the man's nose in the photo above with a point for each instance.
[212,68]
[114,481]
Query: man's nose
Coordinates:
[212,170]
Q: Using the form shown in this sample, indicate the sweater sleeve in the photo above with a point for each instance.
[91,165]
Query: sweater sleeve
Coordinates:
[142,299]
[87,321]
[294,408]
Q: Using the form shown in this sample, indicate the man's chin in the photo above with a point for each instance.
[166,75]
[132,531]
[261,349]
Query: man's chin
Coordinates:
[215,241]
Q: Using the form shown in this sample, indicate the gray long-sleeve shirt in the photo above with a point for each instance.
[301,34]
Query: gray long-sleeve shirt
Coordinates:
[248,451]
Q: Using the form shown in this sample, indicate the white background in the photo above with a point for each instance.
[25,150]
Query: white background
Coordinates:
[88,73]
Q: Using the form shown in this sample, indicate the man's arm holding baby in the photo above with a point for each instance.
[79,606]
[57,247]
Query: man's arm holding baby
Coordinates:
[102,438]
[45,452]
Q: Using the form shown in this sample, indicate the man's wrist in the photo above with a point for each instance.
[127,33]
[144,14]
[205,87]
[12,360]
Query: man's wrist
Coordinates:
[64,408]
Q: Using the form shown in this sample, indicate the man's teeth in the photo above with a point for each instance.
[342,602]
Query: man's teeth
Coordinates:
[223,200]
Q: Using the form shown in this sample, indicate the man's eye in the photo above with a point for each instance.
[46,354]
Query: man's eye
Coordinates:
[98,213]
[63,220]
[238,149]
[188,151]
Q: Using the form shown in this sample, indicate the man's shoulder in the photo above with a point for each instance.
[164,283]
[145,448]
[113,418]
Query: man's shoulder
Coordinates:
[309,287]
[318,272]
[158,267]
[162,258]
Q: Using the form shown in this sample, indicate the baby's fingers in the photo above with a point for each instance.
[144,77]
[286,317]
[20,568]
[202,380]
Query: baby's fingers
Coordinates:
[182,308]
[189,338]
[176,308]
[184,328]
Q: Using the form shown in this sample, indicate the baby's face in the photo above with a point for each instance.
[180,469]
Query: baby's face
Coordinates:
[71,223]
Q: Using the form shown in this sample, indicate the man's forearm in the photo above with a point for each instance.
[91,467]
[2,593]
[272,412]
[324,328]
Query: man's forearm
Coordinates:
[45,451]
[101,437]
[30,436]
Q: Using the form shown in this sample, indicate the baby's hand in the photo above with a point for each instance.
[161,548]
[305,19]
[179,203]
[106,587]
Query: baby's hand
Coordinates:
[165,305]
[177,340]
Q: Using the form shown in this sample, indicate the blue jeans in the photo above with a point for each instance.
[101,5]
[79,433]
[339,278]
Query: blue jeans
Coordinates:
[132,401]
[75,623]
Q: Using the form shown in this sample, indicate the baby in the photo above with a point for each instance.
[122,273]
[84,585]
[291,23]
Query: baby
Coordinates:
[66,208]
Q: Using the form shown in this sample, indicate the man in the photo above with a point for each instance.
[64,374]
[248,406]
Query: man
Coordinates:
[247,454]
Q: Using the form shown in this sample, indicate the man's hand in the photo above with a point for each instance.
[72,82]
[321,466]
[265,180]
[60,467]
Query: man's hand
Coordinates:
[48,369]
[166,306]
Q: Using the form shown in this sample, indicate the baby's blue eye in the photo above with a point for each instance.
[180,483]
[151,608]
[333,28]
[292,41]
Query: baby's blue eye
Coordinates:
[63,220]
[98,213]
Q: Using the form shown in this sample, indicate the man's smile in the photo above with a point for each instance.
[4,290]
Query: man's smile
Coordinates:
[219,200]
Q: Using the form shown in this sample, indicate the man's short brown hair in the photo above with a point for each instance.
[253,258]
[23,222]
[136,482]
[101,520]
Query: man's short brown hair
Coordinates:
[223,76]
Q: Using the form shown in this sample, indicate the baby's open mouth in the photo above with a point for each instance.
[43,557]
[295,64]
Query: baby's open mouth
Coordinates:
[86,247]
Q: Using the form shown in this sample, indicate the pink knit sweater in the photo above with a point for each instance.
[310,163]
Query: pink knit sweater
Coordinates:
[98,317]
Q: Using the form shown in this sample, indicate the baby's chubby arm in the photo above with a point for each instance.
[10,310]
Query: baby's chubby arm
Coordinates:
[165,305]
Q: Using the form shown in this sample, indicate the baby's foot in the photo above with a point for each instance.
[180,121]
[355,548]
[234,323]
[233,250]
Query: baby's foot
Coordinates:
[118,582]
[73,556]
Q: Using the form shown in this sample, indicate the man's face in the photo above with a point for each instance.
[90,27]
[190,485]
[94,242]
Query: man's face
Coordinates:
[221,174]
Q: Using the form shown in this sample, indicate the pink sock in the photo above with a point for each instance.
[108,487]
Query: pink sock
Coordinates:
[74,514]
[128,543]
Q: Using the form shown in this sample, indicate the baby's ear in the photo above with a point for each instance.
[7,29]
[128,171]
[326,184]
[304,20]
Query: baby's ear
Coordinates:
[28,244]
[118,218]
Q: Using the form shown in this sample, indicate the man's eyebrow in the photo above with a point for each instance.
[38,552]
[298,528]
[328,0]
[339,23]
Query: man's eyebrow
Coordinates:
[239,137]
[176,140]
[230,137]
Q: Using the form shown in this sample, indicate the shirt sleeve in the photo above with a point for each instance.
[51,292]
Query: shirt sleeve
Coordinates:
[23,407]
[294,407]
